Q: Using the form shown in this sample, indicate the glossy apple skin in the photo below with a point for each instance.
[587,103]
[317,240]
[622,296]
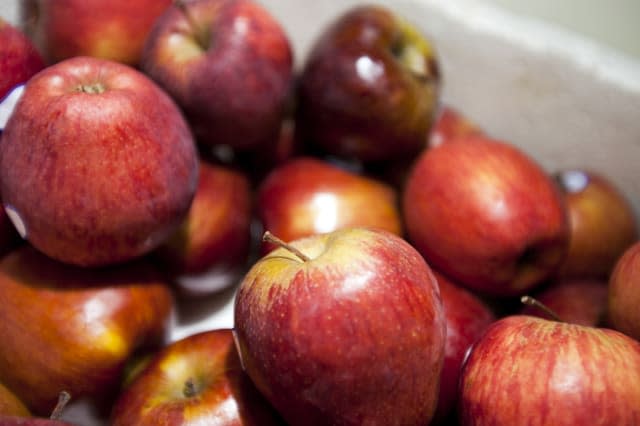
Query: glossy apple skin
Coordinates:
[451,123]
[357,99]
[528,370]
[582,302]
[355,335]
[71,328]
[487,215]
[214,241]
[114,30]
[602,224]
[224,393]
[308,196]
[19,59]
[466,317]
[624,293]
[234,89]
[10,404]
[105,177]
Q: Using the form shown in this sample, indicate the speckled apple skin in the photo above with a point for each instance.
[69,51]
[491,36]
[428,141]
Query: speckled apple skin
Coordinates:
[71,328]
[225,395]
[353,336]
[19,59]
[235,90]
[528,370]
[114,29]
[487,215]
[624,293]
[97,178]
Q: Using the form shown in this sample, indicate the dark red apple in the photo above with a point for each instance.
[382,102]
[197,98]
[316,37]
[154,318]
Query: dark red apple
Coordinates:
[528,370]
[210,250]
[345,327]
[581,302]
[602,224]
[228,64]
[369,87]
[487,215]
[197,380]
[114,29]
[97,164]
[624,293]
[307,196]
[69,328]
[19,59]
[466,317]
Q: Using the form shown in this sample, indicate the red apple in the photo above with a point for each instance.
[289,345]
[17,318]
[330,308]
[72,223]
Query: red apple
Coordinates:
[602,224]
[19,59]
[228,64]
[581,302]
[307,196]
[528,370]
[466,318]
[114,29]
[69,328]
[197,380]
[624,293]
[97,164]
[209,251]
[487,215]
[370,86]
[450,123]
[345,327]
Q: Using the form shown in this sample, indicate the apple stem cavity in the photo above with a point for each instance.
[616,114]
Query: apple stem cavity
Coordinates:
[202,36]
[270,238]
[63,399]
[95,88]
[189,390]
[530,301]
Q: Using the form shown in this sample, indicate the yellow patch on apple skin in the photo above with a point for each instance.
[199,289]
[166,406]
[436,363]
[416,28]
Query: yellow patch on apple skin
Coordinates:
[112,341]
[278,268]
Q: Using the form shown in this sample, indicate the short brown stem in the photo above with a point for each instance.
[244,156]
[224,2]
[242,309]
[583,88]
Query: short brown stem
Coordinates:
[270,238]
[63,399]
[91,88]
[530,301]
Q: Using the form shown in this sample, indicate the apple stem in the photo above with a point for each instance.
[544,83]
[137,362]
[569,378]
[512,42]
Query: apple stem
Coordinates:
[270,238]
[201,36]
[530,301]
[63,399]
[189,390]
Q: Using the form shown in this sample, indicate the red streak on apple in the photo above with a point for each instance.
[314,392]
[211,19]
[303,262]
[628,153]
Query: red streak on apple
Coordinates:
[353,335]
[527,370]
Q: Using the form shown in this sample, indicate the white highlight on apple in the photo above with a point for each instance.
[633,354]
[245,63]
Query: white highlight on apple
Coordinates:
[326,206]
[368,69]
[8,104]
[574,180]
[17,221]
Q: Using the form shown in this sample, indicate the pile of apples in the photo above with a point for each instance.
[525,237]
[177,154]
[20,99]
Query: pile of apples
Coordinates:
[391,262]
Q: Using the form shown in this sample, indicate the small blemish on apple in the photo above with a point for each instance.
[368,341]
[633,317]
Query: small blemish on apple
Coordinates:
[17,221]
